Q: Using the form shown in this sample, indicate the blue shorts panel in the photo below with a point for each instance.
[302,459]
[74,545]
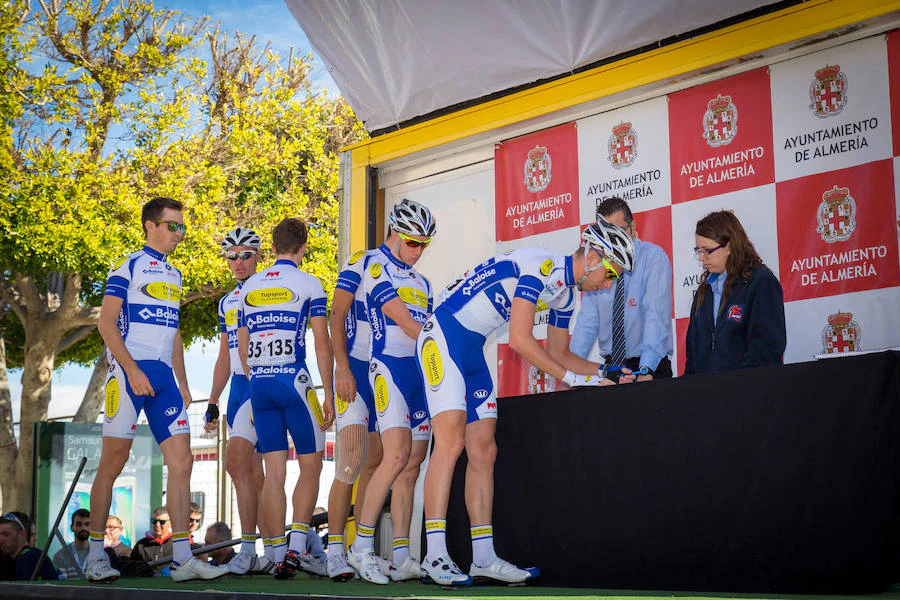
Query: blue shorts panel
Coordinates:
[360,370]
[238,394]
[408,379]
[467,351]
[166,406]
[279,407]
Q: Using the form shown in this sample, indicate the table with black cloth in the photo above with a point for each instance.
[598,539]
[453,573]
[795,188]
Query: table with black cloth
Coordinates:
[776,479]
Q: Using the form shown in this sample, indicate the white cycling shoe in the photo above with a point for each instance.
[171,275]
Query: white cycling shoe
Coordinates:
[410,569]
[241,564]
[197,569]
[443,571]
[366,564]
[501,570]
[99,569]
[338,569]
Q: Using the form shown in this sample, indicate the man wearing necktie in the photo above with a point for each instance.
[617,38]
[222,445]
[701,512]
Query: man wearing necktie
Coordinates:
[632,322]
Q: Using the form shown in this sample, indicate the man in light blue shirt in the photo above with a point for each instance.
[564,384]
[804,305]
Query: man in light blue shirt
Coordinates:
[648,305]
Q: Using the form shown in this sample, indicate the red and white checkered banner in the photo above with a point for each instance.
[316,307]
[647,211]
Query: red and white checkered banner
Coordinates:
[806,154]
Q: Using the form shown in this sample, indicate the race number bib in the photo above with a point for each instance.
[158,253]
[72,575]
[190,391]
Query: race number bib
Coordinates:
[271,347]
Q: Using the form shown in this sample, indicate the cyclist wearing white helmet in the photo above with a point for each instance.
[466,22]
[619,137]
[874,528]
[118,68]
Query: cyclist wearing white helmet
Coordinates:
[461,396]
[240,248]
[398,300]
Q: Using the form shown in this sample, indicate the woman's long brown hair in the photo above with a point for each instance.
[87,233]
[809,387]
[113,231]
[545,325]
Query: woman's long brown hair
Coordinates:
[725,228]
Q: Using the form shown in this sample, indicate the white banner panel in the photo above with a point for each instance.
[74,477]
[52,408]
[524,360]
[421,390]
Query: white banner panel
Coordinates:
[831,109]
[755,207]
[625,153]
[846,323]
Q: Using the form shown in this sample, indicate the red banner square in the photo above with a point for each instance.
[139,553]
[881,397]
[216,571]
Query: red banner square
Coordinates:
[893,49]
[516,377]
[655,226]
[720,136]
[681,327]
[837,232]
[536,183]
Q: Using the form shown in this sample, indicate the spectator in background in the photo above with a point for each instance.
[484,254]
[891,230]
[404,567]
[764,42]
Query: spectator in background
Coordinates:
[642,338]
[72,559]
[29,524]
[13,538]
[195,519]
[215,533]
[113,535]
[739,304]
[157,543]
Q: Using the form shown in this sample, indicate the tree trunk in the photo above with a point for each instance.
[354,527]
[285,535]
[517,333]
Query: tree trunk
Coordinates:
[40,355]
[94,395]
[9,499]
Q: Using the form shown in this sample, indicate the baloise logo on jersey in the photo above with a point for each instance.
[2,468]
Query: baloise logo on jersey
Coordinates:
[271,320]
[155,315]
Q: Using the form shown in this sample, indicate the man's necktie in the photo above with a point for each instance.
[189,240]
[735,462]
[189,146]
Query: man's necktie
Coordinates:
[618,325]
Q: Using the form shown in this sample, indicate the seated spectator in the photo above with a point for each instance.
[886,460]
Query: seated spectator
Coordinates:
[13,538]
[112,539]
[72,559]
[215,533]
[157,542]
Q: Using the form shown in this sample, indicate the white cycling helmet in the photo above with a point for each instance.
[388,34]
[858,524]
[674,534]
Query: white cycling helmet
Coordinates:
[241,236]
[612,241]
[411,218]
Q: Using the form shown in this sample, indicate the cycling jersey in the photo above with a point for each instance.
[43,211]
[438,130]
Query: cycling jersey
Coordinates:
[481,299]
[385,278]
[150,289]
[393,376]
[229,306]
[362,410]
[275,306]
[357,323]
[449,348]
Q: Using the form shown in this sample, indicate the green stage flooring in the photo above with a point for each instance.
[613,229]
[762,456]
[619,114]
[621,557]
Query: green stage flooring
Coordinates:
[306,586]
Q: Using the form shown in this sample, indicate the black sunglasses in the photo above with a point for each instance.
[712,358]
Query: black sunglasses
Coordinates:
[158,521]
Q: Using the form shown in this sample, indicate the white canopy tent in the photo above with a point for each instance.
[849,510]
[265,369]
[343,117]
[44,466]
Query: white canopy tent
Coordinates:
[396,60]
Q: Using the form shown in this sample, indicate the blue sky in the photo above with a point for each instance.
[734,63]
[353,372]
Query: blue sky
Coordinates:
[269,20]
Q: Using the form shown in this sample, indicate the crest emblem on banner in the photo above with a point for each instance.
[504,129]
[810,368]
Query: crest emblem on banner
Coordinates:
[537,169]
[836,215]
[828,91]
[539,382]
[622,145]
[842,334]
[720,121]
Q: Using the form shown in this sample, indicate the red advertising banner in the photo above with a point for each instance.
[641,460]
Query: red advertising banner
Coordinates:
[837,232]
[681,327]
[655,226]
[536,183]
[515,377]
[720,136]
[893,49]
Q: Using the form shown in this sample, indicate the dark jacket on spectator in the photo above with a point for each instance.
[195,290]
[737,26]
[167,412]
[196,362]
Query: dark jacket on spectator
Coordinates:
[750,331]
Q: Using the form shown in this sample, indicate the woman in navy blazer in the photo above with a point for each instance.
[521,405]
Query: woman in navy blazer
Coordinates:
[737,317]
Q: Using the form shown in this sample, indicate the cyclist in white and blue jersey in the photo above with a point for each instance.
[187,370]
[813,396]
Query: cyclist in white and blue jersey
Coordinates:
[398,300]
[243,463]
[276,304]
[358,445]
[461,396]
[139,324]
